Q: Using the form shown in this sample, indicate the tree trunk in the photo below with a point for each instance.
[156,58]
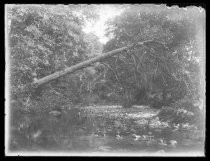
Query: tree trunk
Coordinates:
[83,64]
[77,67]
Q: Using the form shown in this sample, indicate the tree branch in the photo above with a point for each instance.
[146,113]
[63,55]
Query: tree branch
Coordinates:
[116,76]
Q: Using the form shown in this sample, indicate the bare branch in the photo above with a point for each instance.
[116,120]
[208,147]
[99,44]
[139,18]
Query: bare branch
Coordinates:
[116,76]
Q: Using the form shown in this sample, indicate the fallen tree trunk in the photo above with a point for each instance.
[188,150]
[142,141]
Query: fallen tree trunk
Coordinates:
[77,67]
[81,65]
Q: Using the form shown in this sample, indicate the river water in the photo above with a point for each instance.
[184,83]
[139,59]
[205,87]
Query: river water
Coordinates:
[104,129]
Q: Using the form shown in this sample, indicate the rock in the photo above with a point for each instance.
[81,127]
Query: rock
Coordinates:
[55,113]
[161,142]
[119,137]
[150,133]
[172,143]
[137,137]
[145,137]
[96,135]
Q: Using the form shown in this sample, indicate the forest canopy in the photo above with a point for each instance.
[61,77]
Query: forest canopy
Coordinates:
[165,69]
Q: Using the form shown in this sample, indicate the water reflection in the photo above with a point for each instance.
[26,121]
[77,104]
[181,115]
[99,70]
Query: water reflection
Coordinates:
[97,129]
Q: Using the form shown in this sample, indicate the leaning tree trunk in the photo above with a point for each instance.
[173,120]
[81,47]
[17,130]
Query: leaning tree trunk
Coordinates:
[36,87]
[77,67]
[84,64]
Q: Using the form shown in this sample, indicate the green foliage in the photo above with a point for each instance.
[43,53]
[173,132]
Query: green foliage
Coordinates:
[94,45]
[46,39]
[41,42]
[163,62]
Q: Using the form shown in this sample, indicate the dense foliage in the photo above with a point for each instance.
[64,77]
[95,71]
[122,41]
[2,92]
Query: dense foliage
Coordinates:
[165,71]
[166,65]
[43,40]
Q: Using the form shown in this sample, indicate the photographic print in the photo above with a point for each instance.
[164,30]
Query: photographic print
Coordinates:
[105,80]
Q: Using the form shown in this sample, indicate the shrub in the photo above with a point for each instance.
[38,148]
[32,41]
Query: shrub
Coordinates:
[182,111]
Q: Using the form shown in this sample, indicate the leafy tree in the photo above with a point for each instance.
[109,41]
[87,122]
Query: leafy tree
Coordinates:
[94,45]
[45,39]
[169,50]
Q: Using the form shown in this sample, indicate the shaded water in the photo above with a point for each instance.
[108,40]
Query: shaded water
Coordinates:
[102,129]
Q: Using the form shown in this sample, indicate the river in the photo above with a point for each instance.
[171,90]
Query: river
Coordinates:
[105,129]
